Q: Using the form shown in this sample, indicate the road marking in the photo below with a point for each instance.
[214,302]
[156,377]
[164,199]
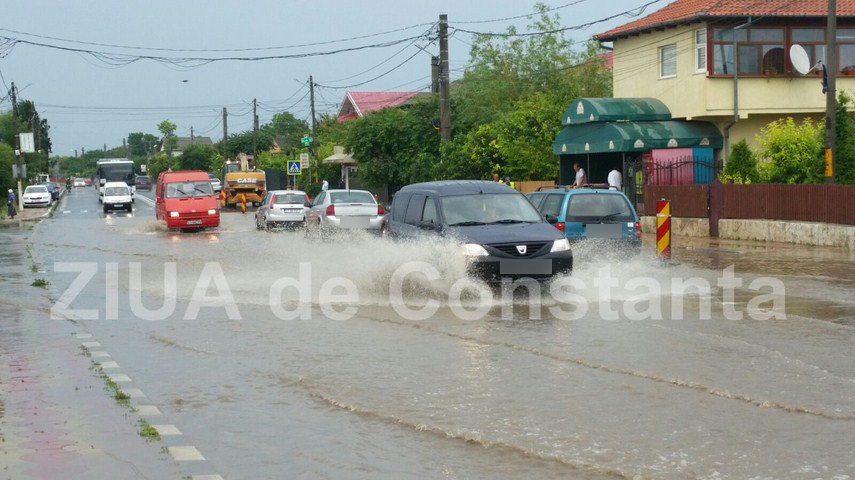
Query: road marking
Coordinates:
[206,477]
[147,200]
[99,354]
[147,410]
[91,344]
[66,211]
[133,392]
[119,377]
[84,211]
[109,365]
[166,430]
[185,453]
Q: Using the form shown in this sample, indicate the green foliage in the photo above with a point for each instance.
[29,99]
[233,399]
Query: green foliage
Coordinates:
[167,129]
[242,142]
[161,162]
[791,152]
[736,178]
[7,159]
[289,129]
[196,157]
[845,132]
[141,144]
[741,164]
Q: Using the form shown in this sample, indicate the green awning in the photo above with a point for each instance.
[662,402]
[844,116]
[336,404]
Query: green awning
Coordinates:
[587,110]
[635,137]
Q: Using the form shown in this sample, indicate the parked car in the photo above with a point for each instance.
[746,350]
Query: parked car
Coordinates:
[587,213]
[285,208]
[143,182]
[53,189]
[36,196]
[117,195]
[499,229]
[347,209]
[216,183]
[185,199]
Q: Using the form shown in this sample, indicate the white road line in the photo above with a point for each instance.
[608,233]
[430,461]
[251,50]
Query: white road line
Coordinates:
[66,211]
[166,430]
[84,211]
[185,453]
[82,336]
[147,200]
[91,344]
[133,392]
[108,364]
[119,378]
[147,410]
[99,354]
[206,477]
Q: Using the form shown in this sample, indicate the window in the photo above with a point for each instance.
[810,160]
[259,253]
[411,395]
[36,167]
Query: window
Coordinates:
[351,196]
[594,207]
[399,206]
[465,210]
[189,189]
[414,210]
[813,41]
[668,61]
[429,213]
[320,198]
[552,205]
[701,50]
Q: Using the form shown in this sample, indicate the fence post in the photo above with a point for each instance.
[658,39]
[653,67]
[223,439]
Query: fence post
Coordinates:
[663,229]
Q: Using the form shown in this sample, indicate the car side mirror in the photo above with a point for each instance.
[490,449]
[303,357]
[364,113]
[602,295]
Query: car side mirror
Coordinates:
[308,204]
[550,219]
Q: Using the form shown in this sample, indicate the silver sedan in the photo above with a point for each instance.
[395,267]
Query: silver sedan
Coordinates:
[345,209]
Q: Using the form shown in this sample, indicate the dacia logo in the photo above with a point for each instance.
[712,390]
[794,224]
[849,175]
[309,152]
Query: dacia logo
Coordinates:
[522,249]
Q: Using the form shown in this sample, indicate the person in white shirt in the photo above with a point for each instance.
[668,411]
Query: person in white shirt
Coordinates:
[325,185]
[614,180]
[581,179]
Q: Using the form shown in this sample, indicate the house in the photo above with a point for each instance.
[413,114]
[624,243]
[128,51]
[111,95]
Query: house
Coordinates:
[683,56]
[181,144]
[357,104]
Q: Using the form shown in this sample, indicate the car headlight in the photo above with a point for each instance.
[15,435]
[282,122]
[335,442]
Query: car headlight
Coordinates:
[212,212]
[560,246]
[474,250]
[173,214]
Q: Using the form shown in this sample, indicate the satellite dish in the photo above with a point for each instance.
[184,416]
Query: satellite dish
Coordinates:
[800,60]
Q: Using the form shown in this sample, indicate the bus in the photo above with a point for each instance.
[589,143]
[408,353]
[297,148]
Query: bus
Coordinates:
[114,170]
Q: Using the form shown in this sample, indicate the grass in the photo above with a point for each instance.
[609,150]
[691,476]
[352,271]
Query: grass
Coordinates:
[147,431]
[34,268]
[41,283]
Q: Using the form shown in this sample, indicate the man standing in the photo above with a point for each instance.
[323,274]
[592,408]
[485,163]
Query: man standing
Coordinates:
[581,179]
[615,180]
[11,201]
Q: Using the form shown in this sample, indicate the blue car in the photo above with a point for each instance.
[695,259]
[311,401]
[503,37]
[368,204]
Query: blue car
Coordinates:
[588,213]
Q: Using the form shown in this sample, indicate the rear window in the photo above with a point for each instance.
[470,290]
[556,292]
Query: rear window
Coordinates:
[144,179]
[289,198]
[116,191]
[351,197]
[599,208]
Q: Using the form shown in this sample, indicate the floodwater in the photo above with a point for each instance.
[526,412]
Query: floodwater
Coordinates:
[515,389]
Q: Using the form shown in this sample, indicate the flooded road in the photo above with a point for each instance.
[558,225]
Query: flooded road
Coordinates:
[272,386]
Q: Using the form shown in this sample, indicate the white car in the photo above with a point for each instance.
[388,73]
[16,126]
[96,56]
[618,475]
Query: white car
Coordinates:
[117,195]
[36,196]
[79,182]
[282,207]
[216,184]
[345,209]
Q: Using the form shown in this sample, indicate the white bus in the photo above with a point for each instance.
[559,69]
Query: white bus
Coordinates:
[114,170]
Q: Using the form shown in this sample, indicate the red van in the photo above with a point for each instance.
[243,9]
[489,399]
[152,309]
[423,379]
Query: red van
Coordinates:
[186,200]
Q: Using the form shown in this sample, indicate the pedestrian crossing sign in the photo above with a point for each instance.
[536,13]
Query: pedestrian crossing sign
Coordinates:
[294,167]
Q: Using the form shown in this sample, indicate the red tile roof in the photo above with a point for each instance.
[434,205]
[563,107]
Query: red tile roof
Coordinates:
[686,10]
[365,102]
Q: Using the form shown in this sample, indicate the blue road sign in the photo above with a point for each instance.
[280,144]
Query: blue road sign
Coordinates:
[294,168]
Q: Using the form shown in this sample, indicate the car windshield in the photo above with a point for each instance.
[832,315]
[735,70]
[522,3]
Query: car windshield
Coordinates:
[289,198]
[597,207]
[38,189]
[482,209]
[116,191]
[189,189]
[351,197]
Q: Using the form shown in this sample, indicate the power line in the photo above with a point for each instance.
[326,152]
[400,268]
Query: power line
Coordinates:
[547,10]
[637,11]
[387,72]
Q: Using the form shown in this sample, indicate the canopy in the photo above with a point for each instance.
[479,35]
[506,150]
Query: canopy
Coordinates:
[339,157]
[586,110]
[635,137]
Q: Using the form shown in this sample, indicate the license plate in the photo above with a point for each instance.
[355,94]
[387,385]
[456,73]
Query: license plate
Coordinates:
[604,230]
[354,222]
[194,222]
[529,266]
[290,210]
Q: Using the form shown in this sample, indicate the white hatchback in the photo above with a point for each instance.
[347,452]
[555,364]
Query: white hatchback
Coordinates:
[117,195]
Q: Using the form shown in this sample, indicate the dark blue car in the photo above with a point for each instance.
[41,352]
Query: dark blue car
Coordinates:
[501,232]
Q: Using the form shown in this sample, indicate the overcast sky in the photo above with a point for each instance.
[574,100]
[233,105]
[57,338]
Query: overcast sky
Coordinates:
[143,93]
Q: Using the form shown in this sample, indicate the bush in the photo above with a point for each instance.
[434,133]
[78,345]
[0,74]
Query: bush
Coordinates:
[845,132]
[742,164]
[791,153]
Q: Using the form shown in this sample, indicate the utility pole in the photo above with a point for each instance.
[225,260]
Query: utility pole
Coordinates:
[444,87]
[831,95]
[314,127]
[254,128]
[14,95]
[125,148]
[434,74]
[192,136]
[225,124]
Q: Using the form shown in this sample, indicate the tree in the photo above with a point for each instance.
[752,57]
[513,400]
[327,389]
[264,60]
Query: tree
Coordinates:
[289,129]
[845,131]
[741,166]
[7,159]
[167,129]
[141,144]
[791,153]
[242,142]
[197,157]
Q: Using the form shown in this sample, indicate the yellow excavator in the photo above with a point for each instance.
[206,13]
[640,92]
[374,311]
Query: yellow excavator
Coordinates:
[240,177]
